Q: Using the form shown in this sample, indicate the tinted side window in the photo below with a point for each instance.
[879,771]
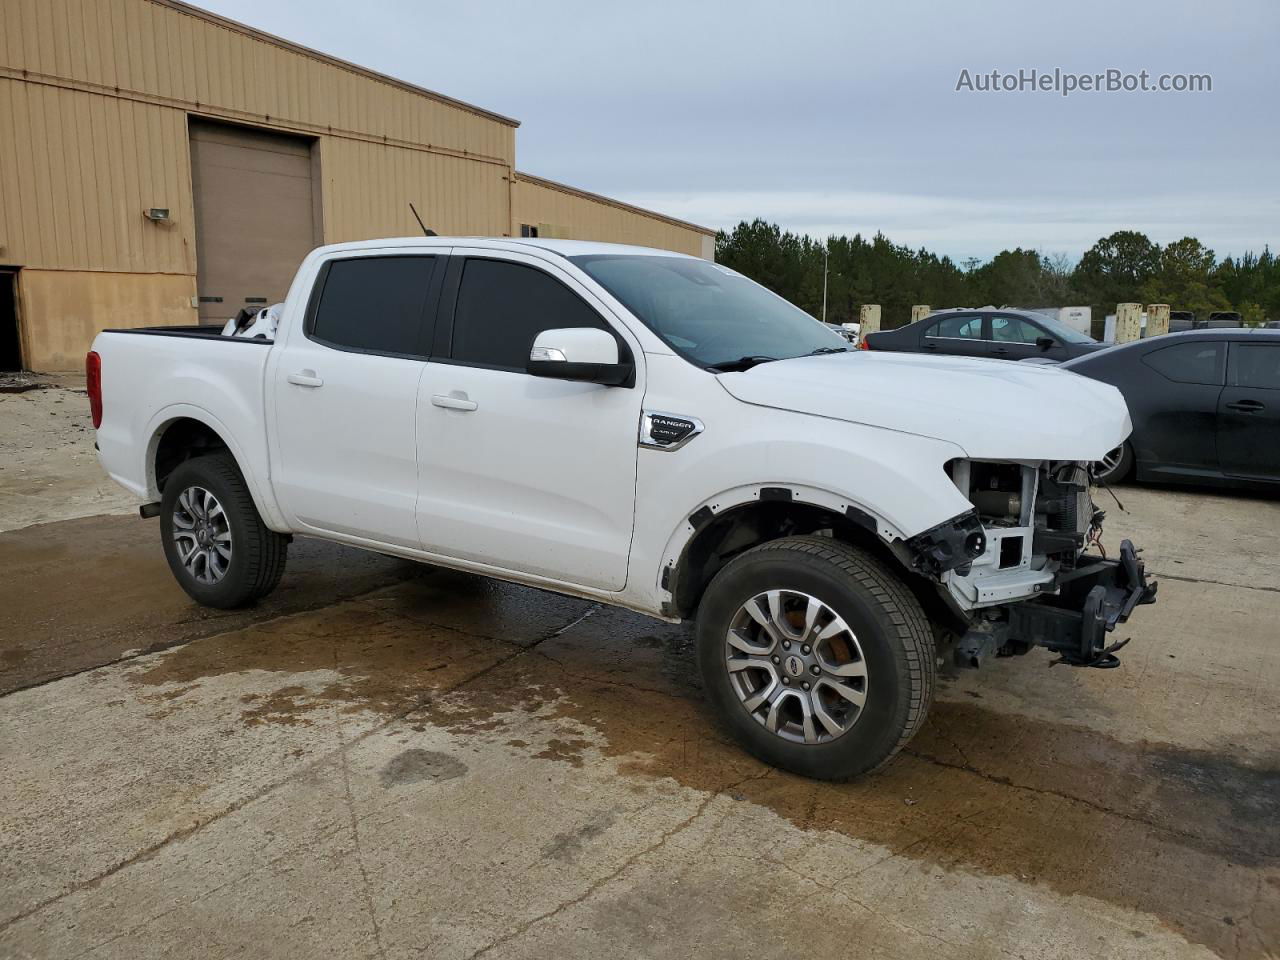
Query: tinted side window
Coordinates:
[1014,330]
[1255,365]
[968,328]
[374,304]
[502,306]
[1193,362]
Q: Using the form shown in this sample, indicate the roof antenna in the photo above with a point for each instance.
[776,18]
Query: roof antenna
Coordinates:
[425,231]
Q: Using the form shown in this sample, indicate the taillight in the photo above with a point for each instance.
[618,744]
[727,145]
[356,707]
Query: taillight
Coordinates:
[93,386]
[864,343]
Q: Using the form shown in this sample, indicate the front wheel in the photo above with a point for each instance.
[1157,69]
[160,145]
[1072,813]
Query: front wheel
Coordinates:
[817,658]
[1115,466]
[217,546]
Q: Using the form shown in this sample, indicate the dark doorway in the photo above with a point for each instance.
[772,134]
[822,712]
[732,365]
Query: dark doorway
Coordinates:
[10,341]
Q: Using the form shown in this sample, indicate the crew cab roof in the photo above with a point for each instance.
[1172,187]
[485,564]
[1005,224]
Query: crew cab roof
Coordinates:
[564,248]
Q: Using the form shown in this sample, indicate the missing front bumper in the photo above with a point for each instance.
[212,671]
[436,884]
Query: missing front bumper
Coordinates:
[1091,601]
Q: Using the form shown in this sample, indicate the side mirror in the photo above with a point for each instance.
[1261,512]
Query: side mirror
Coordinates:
[1045,343]
[579,353]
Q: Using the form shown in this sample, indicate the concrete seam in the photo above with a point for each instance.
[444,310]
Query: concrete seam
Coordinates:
[182,834]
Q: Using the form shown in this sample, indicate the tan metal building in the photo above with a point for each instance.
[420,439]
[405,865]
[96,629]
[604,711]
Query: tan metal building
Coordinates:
[556,210]
[160,164]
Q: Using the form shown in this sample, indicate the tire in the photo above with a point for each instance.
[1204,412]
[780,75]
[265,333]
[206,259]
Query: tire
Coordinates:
[206,508]
[885,632]
[1117,470]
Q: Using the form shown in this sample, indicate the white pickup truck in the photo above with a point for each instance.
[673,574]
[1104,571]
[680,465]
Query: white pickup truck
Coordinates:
[648,430]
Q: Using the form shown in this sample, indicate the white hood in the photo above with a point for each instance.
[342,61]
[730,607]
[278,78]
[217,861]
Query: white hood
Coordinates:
[993,409]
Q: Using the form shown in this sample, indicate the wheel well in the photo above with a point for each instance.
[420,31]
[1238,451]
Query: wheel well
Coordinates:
[722,537]
[183,439]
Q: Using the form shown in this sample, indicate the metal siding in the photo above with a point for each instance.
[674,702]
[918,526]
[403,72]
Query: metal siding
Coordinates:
[580,217]
[79,170]
[367,189]
[94,99]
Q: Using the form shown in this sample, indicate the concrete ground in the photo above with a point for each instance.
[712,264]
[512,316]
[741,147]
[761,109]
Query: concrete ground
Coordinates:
[385,760]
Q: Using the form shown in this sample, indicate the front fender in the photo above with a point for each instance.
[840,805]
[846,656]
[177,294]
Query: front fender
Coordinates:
[896,480]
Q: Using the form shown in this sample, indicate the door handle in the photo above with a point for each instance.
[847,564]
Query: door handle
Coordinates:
[453,403]
[999,351]
[305,378]
[931,346]
[1247,406]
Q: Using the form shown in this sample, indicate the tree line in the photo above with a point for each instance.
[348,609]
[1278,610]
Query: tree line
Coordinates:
[1121,268]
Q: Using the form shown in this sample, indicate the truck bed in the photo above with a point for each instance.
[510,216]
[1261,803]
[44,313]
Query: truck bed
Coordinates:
[203,331]
[153,376]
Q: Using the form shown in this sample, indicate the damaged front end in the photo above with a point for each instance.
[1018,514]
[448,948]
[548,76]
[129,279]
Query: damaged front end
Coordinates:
[1018,569]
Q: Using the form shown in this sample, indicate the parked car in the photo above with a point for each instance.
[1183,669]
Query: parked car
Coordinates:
[648,430]
[1205,406]
[987,332]
[1222,319]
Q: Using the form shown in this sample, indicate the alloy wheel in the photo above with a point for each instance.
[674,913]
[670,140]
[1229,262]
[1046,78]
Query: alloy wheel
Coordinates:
[796,666]
[202,533]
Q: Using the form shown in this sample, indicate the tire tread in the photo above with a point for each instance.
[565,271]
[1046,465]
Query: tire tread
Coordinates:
[264,551]
[902,609]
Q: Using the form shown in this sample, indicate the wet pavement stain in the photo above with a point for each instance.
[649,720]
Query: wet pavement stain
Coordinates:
[369,659]
[419,766]
[568,845]
[1190,837]
[568,751]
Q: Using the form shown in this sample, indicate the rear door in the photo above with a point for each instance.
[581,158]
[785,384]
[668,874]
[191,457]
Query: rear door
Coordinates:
[1175,422]
[957,334]
[520,472]
[1249,411]
[345,385]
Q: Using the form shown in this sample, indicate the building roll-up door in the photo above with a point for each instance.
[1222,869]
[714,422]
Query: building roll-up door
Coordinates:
[255,218]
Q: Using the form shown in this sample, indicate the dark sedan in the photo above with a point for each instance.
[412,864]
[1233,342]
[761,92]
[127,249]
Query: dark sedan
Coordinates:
[1205,406]
[987,332]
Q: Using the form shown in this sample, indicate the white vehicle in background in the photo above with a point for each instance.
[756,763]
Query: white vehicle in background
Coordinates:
[647,430]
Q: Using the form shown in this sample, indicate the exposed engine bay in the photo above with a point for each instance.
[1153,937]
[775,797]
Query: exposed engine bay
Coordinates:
[1038,519]
[1041,537]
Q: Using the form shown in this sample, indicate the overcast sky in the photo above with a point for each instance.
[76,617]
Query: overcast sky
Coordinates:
[844,117]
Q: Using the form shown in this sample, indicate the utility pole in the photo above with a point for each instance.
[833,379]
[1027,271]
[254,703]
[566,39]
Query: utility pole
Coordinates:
[826,254]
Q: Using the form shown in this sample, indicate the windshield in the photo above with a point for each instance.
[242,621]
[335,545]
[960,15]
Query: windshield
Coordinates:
[1060,330]
[710,314]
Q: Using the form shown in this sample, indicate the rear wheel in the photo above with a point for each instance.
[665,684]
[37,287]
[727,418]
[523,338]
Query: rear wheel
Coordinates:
[818,658]
[218,548]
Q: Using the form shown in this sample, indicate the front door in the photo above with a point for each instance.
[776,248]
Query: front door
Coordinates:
[1249,411]
[520,472]
[345,386]
[1014,338]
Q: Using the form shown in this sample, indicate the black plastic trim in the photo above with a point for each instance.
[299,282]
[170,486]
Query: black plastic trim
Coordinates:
[1091,602]
[701,518]
[951,544]
[862,518]
[607,374]
[776,493]
[202,332]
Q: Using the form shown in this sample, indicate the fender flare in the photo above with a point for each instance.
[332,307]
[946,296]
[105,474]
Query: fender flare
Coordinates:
[259,488]
[708,509]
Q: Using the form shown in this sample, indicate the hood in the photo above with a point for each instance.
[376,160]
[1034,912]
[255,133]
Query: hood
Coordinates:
[993,409]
